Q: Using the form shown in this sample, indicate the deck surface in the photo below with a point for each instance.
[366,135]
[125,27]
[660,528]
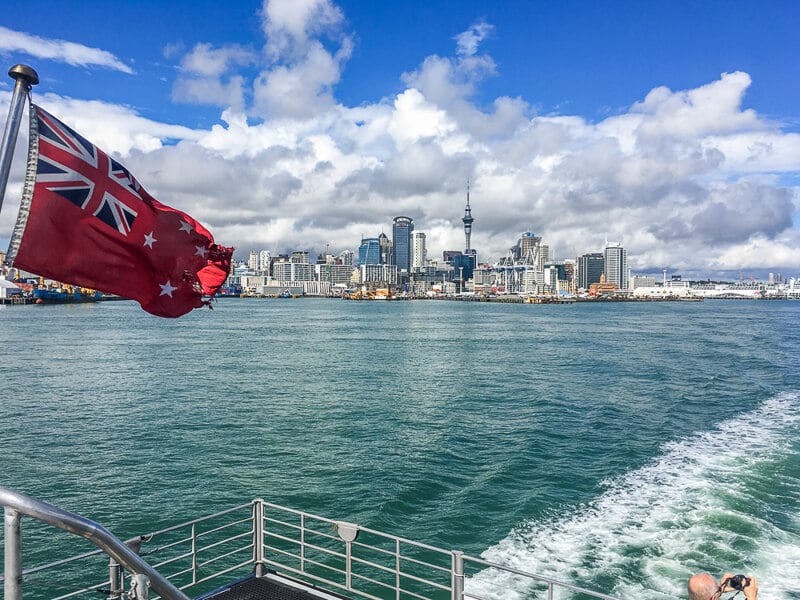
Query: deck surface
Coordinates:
[256,588]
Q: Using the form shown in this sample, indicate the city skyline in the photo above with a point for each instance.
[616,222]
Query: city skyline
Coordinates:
[672,128]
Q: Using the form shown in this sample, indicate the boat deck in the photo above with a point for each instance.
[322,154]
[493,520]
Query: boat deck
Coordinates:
[269,587]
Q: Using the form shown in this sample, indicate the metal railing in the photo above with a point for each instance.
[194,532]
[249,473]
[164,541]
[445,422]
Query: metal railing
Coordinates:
[261,537]
[360,562]
[17,504]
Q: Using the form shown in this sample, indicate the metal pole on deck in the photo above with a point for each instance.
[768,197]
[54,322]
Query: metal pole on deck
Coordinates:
[12,584]
[458,575]
[26,78]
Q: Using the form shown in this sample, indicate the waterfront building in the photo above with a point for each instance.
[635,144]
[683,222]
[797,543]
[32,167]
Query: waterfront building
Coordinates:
[590,269]
[483,276]
[419,253]
[616,265]
[638,281]
[463,266]
[570,273]
[551,278]
[527,248]
[401,236]
[252,261]
[387,251]
[602,287]
[317,288]
[334,274]
[292,271]
[346,258]
[531,281]
[9,289]
[264,260]
[369,252]
[299,256]
[379,274]
[543,256]
[252,284]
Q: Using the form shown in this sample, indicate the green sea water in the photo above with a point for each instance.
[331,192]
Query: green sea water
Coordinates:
[621,447]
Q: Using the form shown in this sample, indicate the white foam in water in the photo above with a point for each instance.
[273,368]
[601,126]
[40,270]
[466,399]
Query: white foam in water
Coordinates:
[696,508]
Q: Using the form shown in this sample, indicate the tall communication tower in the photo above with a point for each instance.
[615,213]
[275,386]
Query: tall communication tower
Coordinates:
[467,220]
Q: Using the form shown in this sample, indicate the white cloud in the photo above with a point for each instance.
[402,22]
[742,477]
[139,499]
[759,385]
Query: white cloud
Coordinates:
[59,50]
[289,25]
[306,50]
[713,108]
[467,41]
[685,179]
[207,61]
[116,129]
[206,78]
[298,90]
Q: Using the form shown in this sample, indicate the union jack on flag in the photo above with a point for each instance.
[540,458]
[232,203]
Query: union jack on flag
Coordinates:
[78,171]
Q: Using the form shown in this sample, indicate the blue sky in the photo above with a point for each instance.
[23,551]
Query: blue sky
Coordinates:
[671,127]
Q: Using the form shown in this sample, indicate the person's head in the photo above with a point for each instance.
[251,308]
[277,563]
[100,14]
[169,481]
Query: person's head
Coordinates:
[702,586]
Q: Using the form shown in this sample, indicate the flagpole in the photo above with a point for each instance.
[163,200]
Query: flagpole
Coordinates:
[26,78]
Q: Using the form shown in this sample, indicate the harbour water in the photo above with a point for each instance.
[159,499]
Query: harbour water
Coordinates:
[618,446]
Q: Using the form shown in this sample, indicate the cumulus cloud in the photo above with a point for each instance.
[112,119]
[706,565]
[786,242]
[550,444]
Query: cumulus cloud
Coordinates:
[59,50]
[449,81]
[208,76]
[302,69]
[290,25]
[467,41]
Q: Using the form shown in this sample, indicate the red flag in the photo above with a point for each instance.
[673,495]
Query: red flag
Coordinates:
[86,221]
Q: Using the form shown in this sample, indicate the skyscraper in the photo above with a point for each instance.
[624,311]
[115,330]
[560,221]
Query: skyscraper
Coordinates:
[401,237]
[467,220]
[616,265]
[369,252]
[387,250]
[527,249]
[590,269]
[252,261]
[419,254]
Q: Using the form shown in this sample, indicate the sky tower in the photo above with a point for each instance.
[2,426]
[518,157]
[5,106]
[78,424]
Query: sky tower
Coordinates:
[467,220]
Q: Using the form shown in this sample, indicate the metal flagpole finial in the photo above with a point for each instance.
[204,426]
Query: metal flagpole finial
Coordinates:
[25,74]
[25,77]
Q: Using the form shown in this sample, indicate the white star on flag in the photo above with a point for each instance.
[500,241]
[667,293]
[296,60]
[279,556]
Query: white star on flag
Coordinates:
[167,289]
[201,251]
[186,227]
[149,240]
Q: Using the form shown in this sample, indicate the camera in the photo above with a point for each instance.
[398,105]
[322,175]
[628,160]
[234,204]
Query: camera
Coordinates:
[738,582]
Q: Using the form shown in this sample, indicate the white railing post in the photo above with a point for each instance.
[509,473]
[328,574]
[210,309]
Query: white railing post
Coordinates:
[258,537]
[458,576]
[397,567]
[302,543]
[349,565]
[349,533]
[12,531]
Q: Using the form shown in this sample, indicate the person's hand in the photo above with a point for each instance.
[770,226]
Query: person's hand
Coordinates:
[751,589]
[723,583]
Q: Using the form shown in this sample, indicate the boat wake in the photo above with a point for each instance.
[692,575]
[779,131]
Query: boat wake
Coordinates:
[723,500]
